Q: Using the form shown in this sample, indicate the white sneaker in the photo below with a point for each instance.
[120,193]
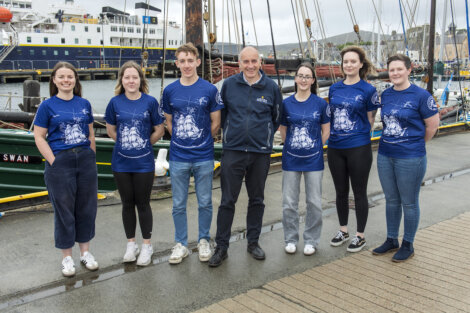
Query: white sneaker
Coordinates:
[205,252]
[290,248]
[89,261]
[178,252]
[132,252]
[68,266]
[145,256]
[309,250]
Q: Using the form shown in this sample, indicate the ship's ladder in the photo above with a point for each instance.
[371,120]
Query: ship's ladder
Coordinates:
[12,38]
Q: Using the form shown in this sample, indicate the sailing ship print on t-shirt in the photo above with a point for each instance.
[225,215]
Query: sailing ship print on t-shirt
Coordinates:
[132,134]
[187,130]
[72,132]
[342,115]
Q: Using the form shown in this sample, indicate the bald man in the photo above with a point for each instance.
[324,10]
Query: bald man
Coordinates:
[249,120]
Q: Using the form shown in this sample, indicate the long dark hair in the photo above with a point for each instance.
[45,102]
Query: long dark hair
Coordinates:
[314,87]
[144,87]
[367,67]
[53,90]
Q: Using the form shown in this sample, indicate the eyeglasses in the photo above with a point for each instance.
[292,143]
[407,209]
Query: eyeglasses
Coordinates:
[302,77]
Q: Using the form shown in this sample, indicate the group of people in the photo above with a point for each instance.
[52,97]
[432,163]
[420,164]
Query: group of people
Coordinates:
[249,109]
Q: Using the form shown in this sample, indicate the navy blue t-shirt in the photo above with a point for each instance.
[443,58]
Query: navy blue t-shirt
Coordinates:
[349,105]
[303,147]
[66,122]
[190,107]
[134,121]
[402,116]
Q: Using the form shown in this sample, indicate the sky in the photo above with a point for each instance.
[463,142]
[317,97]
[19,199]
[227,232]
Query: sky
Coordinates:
[334,14]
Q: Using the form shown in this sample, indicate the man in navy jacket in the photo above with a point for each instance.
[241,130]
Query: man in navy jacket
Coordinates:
[250,118]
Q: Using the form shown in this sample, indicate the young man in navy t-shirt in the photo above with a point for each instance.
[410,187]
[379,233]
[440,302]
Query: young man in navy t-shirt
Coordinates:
[192,110]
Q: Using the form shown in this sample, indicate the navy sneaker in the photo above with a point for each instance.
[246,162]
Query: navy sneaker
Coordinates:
[389,245]
[405,252]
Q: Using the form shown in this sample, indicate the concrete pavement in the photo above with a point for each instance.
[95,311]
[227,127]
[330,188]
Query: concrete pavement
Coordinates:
[31,266]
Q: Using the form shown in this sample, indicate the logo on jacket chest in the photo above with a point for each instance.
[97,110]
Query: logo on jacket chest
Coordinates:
[262,100]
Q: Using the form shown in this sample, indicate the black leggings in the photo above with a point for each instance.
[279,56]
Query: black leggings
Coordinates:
[354,164]
[135,189]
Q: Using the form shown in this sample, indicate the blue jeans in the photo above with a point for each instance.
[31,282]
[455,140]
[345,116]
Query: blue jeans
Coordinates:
[401,181]
[180,173]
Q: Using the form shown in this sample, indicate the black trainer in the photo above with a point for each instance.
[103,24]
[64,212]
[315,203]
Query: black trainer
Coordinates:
[356,244]
[218,257]
[340,238]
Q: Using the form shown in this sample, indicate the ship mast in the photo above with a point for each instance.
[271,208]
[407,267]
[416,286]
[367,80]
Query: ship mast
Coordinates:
[193,22]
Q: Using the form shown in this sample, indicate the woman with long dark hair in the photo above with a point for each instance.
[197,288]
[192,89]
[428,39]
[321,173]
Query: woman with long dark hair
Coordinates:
[353,103]
[63,131]
[305,127]
[134,121]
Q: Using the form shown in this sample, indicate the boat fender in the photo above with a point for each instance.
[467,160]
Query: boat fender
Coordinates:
[161,164]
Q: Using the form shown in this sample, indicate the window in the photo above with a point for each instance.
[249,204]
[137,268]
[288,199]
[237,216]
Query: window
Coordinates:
[101,41]
[28,39]
[139,30]
[22,5]
[122,29]
[152,30]
[76,41]
[86,28]
[44,52]
[46,40]
[28,5]
[130,29]
[114,28]
[90,53]
[56,52]
[80,52]
[19,51]
[89,41]
[98,29]
[73,28]
[66,52]
[62,40]
[31,52]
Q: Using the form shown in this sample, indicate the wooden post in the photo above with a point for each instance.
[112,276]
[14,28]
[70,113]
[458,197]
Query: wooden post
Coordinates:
[432,34]
[194,22]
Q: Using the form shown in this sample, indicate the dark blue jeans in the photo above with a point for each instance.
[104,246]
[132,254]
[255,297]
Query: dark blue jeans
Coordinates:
[401,181]
[236,165]
[72,183]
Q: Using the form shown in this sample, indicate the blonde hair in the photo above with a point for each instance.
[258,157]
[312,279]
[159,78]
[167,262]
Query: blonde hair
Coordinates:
[144,87]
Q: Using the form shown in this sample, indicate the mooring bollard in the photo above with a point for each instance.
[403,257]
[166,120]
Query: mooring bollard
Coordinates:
[31,95]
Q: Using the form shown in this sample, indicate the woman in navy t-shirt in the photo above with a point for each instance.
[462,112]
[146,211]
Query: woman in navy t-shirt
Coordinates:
[135,122]
[305,127]
[353,103]
[70,168]
[410,118]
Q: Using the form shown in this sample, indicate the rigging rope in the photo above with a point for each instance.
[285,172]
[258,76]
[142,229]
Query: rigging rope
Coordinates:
[307,24]
[241,22]
[254,27]
[297,28]
[456,55]
[353,19]
[323,34]
[165,32]
[235,25]
[403,26]
[274,46]
[380,25]
[122,34]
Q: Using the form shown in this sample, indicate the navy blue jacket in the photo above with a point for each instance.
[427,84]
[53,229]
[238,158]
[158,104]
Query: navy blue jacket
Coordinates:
[251,114]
